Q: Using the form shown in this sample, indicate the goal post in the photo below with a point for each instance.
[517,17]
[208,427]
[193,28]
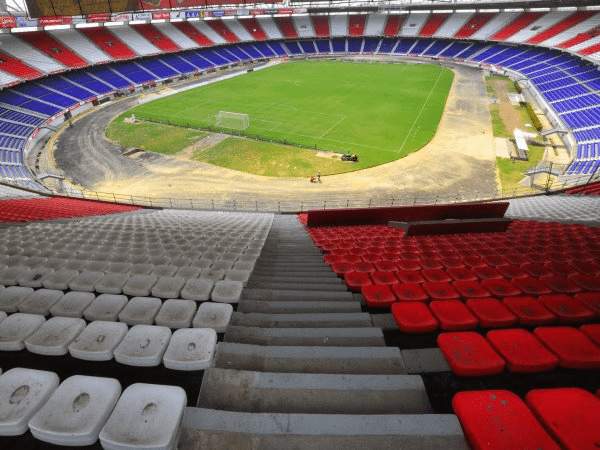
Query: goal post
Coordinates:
[233,120]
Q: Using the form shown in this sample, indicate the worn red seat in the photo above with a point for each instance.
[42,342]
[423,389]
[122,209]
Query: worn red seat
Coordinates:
[529,311]
[571,415]
[363,266]
[587,282]
[560,269]
[341,267]
[592,331]
[436,275]
[567,309]
[587,267]
[430,263]
[487,273]
[409,292]
[532,286]
[471,289]
[383,277]
[523,352]
[561,285]
[494,260]
[469,354]
[461,274]
[453,315]
[414,317]
[440,291]
[534,270]
[574,349]
[499,420]
[385,266]
[356,280]
[501,288]
[410,276]
[491,313]
[591,300]
[474,261]
[407,264]
[378,295]
[510,271]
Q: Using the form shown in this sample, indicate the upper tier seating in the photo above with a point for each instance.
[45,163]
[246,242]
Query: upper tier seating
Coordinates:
[18,68]
[255,29]
[238,28]
[223,30]
[413,24]
[304,26]
[17,48]
[473,25]
[521,22]
[393,25]
[356,25]
[150,32]
[570,21]
[375,24]
[452,24]
[178,37]
[135,41]
[209,32]
[44,42]
[193,33]
[321,26]
[270,27]
[287,27]
[81,45]
[108,42]
[339,25]
[433,23]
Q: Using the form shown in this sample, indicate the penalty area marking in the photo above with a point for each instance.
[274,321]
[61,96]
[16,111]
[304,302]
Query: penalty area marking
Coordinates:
[332,126]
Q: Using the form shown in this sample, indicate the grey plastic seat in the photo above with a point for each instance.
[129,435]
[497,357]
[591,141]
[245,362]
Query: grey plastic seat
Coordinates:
[139,285]
[222,264]
[72,304]
[176,313]
[164,270]
[16,260]
[159,260]
[244,265]
[76,411]
[140,311]
[11,275]
[213,315]
[40,301]
[118,267]
[33,278]
[55,263]
[197,289]
[59,279]
[85,281]
[226,291]
[141,269]
[105,307]
[54,336]
[22,393]
[212,274]
[36,262]
[238,275]
[98,341]
[97,266]
[3,316]
[139,259]
[156,428]
[75,264]
[191,349]
[168,287]
[143,346]
[12,296]
[16,328]
[188,272]
[111,283]
[202,263]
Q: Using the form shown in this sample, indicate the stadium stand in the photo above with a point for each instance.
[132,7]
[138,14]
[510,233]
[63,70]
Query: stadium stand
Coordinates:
[434,22]
[151,33]
[193,33]
[339,25]
[108,42]
[242,32]
[375,24]
[44,42]
[393,25]
[270,28]
[223,30]
[81,45]
[304,27]
[356,25]
[175,35]
[255,29]
[321,26]
[138,43]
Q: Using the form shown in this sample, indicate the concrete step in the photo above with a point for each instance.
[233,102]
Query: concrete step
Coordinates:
[306,320]
[297,286]
[276,271]
[291,295]
[296,279]
[300,265]
[225,430]
[335,360]
[324,337]
[268,307]
[301,393]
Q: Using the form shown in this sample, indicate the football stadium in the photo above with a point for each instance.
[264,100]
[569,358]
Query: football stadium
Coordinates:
[299,224]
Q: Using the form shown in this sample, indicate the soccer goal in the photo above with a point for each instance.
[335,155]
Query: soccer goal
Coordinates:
[235,121]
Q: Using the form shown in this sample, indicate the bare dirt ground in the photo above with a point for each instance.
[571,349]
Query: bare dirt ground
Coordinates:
[459,159]
[510,116]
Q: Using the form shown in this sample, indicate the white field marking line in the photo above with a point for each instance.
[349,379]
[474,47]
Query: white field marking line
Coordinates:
[421,111]
[332,126]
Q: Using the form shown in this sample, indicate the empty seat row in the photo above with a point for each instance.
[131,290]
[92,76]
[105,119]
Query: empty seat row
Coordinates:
[519,351]
[83,409]
[141,345]
[552,419]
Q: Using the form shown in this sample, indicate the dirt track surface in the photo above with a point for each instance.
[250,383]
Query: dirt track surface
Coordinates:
[460,158]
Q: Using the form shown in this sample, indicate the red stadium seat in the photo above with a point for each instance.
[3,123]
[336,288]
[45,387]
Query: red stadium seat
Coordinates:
[510,271]
[567,309]
[453,315]
[378,296]
[561,285]
[473,261]
[560,269]
[431,263]
[383,277]
[440,290]
[591,300]
[471,289]
[469,354]
[532,286]
[487,273]
[386,266]
[461,274]
[342,267]
[453,263]
[356,280]
[409,292]
[587,282]
[414,317]
[494,260]
[586,268]
[592,331]
[571,415]
[410,276]
[529,311]
[534,270]
[436,275]
[491,313]
[523,352]
[363,267]
[407,264]
[499,420]
[572,347]
[501,288]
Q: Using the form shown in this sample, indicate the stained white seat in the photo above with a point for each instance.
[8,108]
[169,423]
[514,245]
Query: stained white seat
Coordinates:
[10,276]
[213,315]
[54,336]
[202,263]
[176,313]
[146,416]
[141,269]
[72,304]
[59,279]
[16,328]
[196,289]
[105,307]
[118,267]
[238,275]
[22,393]
[98,341]
[140,311]
[164,270]
[85,281]
[2,317]
[111,283]
[188,272]
[191,349]
[97,266]
[33,278]
[76,411]
[168,287]
[212,274]
[227,291]
[143,346]
[12,296]
[40,301]
[139,285]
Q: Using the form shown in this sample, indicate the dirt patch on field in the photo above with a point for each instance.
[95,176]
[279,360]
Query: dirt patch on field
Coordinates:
[203,144]
[510,115]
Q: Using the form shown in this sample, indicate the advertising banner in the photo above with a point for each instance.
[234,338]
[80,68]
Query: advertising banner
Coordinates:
[161,15]
[78,19]
[54,20]
[7,22]
[230,12]
[26,22]
[217,13]
[43,8]
[243,12]
[285,11]
[271,11]
[192,14]
[94,18]
[178,14]
[142,16]
[120,17]
[257,12]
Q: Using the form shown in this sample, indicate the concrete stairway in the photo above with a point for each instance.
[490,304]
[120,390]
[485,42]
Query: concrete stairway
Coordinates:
[302,367]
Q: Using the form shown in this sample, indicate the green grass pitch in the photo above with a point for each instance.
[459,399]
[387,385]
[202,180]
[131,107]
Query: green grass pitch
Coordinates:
[382,112]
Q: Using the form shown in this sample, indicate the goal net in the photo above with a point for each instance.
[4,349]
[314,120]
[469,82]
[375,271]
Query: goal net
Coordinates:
[235,121]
